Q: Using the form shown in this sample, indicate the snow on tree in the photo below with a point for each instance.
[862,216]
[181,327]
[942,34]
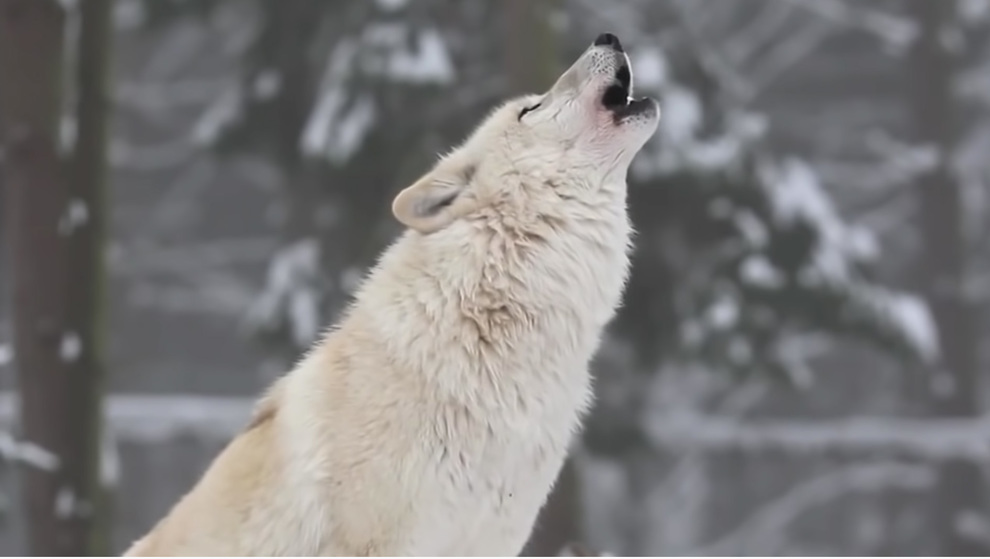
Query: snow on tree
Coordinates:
[764,255]
[741,256]
[324,91]
[326,88]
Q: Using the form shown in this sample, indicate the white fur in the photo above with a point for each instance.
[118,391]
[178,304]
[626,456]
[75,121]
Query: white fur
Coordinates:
[435,417]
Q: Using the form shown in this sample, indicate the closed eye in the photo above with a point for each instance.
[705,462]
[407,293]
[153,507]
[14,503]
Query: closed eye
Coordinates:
[528,109]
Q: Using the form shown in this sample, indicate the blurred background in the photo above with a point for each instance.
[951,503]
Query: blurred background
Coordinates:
[191,190]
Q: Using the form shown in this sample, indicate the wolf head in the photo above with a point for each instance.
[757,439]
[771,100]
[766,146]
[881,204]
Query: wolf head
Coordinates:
[583,132]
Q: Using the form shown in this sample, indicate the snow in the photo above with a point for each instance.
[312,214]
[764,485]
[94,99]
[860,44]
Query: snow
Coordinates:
[351,130]
[157,418]
[336,134]
[69,505]
[757,271]
[75,216]
[142,418]
[218,115]
[304,316]
[291,292]
[129,14]
[915,319]
[928,439]
[723,313]
[793,352]
[681,150]
[317,134]
[70,348]
[575,549]
[267,84]
[391,5]
[651,68]
[6,354]
[972,524]
[338,123]
[973,11]
[65,503]
[78,212]
[682,115]
[797,195]
[428,62]
[740,352]
[862,243]
[68,132]
[969,163]
[109,460]
[26,453]
[752,229]
[431,64]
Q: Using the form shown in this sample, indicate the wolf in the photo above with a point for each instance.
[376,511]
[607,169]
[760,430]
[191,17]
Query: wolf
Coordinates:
[435,416]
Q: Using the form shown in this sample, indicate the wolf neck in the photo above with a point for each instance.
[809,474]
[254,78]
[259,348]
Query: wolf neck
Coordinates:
[501,295]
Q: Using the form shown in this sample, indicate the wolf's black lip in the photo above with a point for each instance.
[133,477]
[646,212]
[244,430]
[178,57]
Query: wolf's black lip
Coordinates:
[624,76]
[616,96]
[635,107]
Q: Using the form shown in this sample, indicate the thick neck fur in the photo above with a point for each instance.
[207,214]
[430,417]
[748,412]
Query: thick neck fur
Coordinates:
[522,287]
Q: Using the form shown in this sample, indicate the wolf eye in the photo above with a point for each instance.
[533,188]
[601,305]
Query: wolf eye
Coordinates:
[527,109]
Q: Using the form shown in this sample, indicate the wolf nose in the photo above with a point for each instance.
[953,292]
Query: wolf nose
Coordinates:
[608,40]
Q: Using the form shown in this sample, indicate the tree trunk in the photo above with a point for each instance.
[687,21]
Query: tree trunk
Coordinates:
[55,247]
[84,225]
[31,47]
[531,54]
[932,67]
[293,24]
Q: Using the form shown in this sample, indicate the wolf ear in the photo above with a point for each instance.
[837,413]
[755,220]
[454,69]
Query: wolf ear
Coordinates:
[436,200]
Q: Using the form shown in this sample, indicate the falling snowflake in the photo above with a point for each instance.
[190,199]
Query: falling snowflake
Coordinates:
[71,347]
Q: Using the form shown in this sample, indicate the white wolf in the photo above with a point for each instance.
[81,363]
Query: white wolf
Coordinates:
[434,418]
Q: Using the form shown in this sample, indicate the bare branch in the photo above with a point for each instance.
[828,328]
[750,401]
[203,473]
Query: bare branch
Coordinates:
[763,532]
[895,31]
[165,96]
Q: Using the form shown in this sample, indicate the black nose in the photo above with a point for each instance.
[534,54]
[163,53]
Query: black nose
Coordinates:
[608,40]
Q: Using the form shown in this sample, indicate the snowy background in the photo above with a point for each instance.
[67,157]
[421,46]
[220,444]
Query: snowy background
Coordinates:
[798,366]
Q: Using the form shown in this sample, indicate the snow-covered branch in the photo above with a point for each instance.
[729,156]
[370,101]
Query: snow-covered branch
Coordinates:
[927,439]
[125,155]
[27,453]
[144,419]
[191,259]
[149,419]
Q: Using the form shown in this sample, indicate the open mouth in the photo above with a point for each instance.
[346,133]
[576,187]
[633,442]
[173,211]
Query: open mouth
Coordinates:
[618,96]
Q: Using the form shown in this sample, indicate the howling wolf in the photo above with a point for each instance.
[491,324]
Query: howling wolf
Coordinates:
[435,416]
